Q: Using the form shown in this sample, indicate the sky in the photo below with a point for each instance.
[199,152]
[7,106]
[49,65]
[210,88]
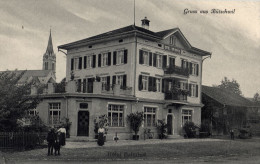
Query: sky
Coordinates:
[233,39]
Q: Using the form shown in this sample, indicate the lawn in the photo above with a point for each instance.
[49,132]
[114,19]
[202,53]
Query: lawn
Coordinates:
[227,148]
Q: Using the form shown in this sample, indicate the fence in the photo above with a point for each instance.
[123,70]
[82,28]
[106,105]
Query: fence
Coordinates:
[21,140]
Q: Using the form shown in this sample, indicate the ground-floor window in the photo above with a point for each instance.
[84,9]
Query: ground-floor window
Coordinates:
[116,115]
[186,116]
[54,113]
[149,116]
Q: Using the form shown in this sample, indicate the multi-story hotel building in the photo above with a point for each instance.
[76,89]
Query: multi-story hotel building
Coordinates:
[127,70]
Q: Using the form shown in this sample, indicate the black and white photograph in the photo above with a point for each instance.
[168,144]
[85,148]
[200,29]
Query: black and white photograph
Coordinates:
[129,81]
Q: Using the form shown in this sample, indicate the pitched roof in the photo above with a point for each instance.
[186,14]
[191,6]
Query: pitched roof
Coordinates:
[49,50]
[226,97]
[30,73]
[126,30]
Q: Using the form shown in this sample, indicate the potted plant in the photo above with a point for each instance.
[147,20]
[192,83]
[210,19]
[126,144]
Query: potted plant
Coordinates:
[162,129]
[135,121]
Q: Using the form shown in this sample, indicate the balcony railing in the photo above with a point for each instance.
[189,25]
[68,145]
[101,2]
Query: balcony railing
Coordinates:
[176,70]
[179,94]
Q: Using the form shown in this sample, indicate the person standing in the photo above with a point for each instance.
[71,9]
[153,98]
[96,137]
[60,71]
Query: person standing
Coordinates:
[232,134]
[62,131]
[101,132]
[51,137]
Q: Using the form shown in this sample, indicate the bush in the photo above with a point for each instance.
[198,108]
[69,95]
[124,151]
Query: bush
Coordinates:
[245,133]
[189,128]
[162,129]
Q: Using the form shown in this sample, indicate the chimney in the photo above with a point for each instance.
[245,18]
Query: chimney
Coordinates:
[145,23]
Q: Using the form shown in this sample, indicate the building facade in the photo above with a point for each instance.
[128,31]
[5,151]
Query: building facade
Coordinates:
[127,70]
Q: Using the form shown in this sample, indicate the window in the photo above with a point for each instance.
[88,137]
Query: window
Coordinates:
[115,115]
[159,61]
[194,69]
[54,113]
[120,80]
[76,63]
[103,82]
[89,61]
[186,116]
[120,57]
[83,105]
[53,66]
[145,58]
[145,82]
[32,112]
[184,64]
[184,85]
[193,90]
[149,116]
[173,40]
[104,59]
[158,85]
[46,65]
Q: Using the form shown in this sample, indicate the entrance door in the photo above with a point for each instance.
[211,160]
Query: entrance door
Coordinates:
[169,123]
[83,123]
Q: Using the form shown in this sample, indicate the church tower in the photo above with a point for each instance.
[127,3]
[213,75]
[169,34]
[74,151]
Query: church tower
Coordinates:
[49,58]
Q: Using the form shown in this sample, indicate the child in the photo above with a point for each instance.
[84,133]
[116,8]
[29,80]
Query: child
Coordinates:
[57,145]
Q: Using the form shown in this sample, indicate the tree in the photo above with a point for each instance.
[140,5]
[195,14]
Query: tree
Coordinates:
[256,96]
[15,100]
[231,86]
[60,87]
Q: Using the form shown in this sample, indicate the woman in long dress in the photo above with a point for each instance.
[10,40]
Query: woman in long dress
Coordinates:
[101,132]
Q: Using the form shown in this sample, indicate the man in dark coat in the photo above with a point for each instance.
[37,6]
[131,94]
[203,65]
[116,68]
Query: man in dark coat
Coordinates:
[51,141]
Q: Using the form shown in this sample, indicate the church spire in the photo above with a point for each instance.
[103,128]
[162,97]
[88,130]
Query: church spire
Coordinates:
[49,50]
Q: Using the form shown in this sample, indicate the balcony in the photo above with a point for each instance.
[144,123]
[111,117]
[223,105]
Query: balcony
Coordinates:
[176,70]
[83,88]
[176,94]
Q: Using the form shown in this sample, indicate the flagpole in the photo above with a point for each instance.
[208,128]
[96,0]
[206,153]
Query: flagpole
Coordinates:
[134,12]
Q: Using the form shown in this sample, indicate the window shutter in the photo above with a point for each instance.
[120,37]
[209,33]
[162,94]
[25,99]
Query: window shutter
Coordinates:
[114,80]
[141,59]
[99,60]
[85,62]
[84,85]
[109,58]
[197,91]
[72,64]
[108,83]
[114,58]
[79,85]
[163,81]
[187,65]
[182,63]
[140,86]
[164,61]
[124,81]
[186,86]
[80,63]
[94,61]
[125,56]
[150,83]
[189,89]
[190,68]
[154,59]
[197,73]
[154,84]
[150,59]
